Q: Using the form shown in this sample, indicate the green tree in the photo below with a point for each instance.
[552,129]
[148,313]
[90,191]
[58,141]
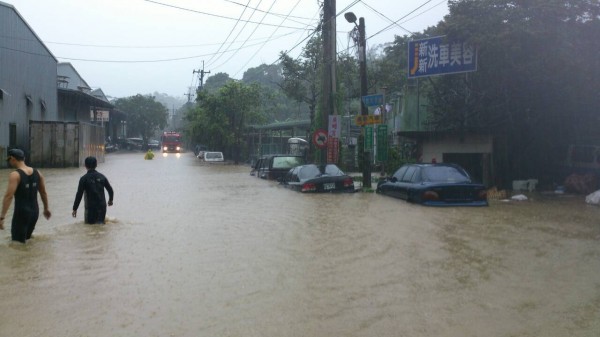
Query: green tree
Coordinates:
[215,82]
[265,75]
[206,124]
[302,76]
[536,86]
[144,115]
[220,119]
[275,104]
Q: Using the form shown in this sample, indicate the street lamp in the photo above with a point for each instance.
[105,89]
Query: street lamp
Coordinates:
[362,59]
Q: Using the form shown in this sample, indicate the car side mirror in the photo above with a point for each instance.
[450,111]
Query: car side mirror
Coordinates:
[394,179]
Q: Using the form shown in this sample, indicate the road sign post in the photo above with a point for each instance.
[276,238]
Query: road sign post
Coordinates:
[320,138]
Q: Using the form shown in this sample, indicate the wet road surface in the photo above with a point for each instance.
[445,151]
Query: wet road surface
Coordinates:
[207,250]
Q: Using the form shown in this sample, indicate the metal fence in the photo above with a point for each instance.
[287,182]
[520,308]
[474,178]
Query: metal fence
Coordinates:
[64,144]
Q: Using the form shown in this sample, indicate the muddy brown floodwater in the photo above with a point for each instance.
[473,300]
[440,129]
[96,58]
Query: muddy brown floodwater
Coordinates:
[208,250]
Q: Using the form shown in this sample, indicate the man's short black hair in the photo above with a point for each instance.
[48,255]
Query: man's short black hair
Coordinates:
[91,162]
[18,154]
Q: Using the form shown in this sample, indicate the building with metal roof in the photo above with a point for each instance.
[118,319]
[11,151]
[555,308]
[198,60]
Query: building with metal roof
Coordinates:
[27,80]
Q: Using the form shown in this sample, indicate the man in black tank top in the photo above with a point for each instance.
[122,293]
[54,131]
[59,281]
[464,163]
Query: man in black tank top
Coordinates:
[93,184]
[23,185]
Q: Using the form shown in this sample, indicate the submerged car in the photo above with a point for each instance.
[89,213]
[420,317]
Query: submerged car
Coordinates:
[434,185]
[256,165]
[213,157]
[275,166]
[153,144]
[318,178]
[134,144]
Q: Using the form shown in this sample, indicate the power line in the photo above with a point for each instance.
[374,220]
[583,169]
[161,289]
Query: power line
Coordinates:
[385,17]
[314,31]
[28,52]
[155,47]
[425,11]
[237,35]
[215,15]
[386,28]
[256,52]
[156,60]
[252,33]
[275,14]
[230,32]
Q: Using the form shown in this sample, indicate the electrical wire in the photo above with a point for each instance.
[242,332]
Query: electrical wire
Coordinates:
[275,31]
[314,31]
[425,11]
[230,32]
[215,15]
[155,60]
[386,28]
[138,47]
[385,17]
[275,14]
[252,33]
[238,34]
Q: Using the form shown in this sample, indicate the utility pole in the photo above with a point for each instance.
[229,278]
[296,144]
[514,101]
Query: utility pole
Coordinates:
[329,75]
[362,60]
[362,57]
[201,76]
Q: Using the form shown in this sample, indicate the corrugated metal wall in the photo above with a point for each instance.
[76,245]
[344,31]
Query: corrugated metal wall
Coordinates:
[64,144]
[27,78]
[91,142]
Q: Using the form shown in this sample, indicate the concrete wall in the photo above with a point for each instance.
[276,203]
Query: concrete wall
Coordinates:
[435,148]
[472,152]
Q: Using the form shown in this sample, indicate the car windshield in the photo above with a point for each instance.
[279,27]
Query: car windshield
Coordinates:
[170,139]
[444,174]
[313,171]
[286,162]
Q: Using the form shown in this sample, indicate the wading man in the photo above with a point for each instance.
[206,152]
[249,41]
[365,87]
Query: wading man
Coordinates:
[23,185]
[92,185]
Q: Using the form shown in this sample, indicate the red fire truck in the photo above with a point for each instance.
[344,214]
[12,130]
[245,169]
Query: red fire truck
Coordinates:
[170,141]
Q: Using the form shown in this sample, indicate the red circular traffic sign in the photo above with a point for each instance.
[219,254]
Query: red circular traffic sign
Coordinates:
[320,138]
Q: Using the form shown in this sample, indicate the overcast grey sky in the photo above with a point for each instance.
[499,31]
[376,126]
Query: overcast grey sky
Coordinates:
[128,47]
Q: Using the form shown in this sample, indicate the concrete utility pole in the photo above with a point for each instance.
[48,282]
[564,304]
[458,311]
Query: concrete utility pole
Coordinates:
[363,92]
[201,76]
[362,59]
[189,95]
[329,61]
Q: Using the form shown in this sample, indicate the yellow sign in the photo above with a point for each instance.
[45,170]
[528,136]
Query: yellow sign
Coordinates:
[361,120]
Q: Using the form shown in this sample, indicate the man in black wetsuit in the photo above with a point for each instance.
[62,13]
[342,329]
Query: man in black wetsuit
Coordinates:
[93,184]
[23,184]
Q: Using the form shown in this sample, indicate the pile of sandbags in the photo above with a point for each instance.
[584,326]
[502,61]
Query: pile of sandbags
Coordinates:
[581,183]
[594,198]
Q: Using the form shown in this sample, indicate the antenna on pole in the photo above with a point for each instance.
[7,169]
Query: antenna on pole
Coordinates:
[201,73]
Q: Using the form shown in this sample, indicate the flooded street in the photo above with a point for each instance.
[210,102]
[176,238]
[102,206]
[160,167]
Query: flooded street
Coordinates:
[208,250]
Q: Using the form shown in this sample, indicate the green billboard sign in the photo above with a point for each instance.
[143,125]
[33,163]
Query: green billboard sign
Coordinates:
[368,137]
[382,142]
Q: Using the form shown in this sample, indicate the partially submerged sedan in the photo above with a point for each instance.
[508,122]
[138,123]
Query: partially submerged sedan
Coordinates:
[318,178]
[434,185]
[213,157]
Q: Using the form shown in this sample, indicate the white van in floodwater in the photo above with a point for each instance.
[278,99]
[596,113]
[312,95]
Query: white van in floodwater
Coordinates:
[213,157]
